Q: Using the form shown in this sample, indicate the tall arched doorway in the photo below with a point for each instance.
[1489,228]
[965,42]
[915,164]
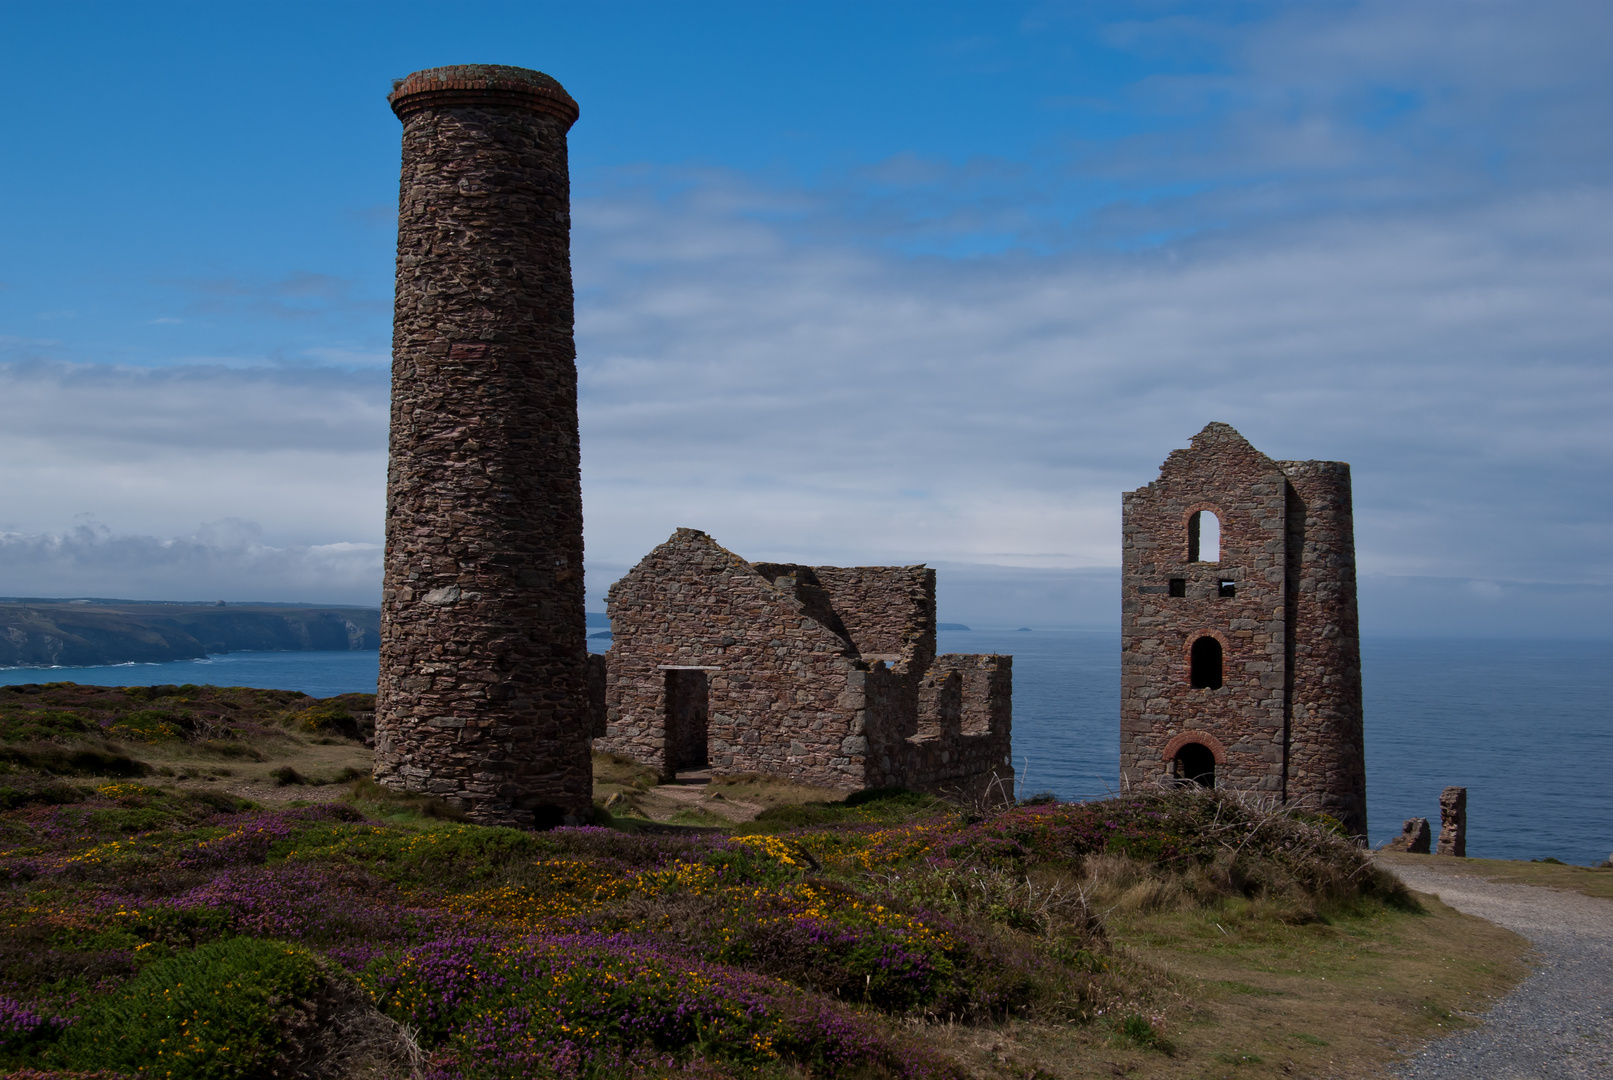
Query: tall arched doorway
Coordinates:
[1196,762]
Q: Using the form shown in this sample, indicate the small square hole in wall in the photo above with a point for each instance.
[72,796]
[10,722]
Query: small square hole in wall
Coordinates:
[1228,588]
[1178,586]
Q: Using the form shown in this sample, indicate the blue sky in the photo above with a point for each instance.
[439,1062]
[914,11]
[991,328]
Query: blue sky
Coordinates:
[872,282]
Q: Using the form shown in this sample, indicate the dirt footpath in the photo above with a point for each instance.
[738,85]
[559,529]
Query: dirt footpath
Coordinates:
[1558,1023]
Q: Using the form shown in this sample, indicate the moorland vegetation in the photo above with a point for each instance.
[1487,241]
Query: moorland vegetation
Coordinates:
[153,923]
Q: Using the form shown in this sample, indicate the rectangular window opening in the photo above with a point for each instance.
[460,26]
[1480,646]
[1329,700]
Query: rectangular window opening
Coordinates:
[1178,586]
[1228,589]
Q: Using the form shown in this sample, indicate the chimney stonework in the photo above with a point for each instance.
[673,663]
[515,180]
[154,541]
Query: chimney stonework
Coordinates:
[483,695]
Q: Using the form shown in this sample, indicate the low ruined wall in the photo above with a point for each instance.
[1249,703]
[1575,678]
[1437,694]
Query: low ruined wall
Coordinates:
[948,731]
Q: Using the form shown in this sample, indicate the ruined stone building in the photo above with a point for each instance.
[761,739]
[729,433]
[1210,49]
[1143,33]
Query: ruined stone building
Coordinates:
[1241,659]
[821,674]
[483,694]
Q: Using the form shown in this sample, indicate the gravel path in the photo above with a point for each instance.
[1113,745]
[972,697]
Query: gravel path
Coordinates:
[1557,1023]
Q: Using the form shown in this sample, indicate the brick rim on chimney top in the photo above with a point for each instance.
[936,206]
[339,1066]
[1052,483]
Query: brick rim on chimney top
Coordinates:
[471,84]
[483,694]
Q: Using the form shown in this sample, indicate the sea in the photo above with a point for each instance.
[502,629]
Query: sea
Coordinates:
[1525,726]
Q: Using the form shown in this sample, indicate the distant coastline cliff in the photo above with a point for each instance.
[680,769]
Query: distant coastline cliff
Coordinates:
[71,633]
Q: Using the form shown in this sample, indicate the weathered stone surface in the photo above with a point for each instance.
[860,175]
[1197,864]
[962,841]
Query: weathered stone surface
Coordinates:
[1453,822]
[825,675]
[1278,604]
[1414,838]
[483,694]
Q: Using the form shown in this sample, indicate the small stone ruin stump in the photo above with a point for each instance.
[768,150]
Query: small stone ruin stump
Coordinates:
[1414,838]
[1453,822]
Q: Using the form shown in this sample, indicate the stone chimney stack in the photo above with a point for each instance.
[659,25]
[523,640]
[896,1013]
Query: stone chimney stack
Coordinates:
[483,689]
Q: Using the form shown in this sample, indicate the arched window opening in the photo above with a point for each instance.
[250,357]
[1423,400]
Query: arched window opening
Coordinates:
[1204,537]
[1206,663]
[1195,763]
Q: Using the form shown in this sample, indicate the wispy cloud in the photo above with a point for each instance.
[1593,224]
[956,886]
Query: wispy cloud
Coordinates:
[301,450]
[1373,232]
[1454,357]
[222,559]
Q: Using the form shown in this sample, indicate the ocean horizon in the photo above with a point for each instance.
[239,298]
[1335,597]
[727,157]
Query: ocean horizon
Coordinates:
[1501,718]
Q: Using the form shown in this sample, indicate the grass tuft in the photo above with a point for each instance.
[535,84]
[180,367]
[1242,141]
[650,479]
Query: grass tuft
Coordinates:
[365,793]
[1137,1030]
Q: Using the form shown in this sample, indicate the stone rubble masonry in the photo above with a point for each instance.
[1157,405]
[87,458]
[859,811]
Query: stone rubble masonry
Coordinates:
[1415,837]
[1453,822]
[1287,720]
[483,695]
[824,675]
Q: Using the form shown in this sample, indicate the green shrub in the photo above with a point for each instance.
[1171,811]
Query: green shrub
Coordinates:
[228,1009]
[50,793]
[149,725]
[327,719]
[59,761]
[24,724]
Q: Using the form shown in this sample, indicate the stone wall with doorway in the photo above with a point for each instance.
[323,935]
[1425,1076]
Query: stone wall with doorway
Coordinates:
[824,675]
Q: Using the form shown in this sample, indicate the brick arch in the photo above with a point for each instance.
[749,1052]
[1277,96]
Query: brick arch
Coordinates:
[1193,735]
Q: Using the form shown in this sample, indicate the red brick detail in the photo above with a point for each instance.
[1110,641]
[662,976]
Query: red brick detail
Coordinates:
[1203,738]
[467,352]
[480,86]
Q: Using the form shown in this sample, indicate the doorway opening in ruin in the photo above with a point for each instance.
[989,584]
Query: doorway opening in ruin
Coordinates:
[1195,762]
[687,706]
[1204,537]
[1205,664]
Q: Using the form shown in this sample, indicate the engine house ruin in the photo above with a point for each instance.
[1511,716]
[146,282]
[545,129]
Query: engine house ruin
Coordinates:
[1240,650]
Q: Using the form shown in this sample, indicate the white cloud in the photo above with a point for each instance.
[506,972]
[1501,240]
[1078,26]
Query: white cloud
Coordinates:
[220,560]
[784,395]
[301,451]
[1372,232]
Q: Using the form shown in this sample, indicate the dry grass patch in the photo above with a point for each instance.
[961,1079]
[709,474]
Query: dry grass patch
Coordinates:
[323,766]
[1592,881]
[269,746]
[1238,993]
[628,789]
[769,791]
